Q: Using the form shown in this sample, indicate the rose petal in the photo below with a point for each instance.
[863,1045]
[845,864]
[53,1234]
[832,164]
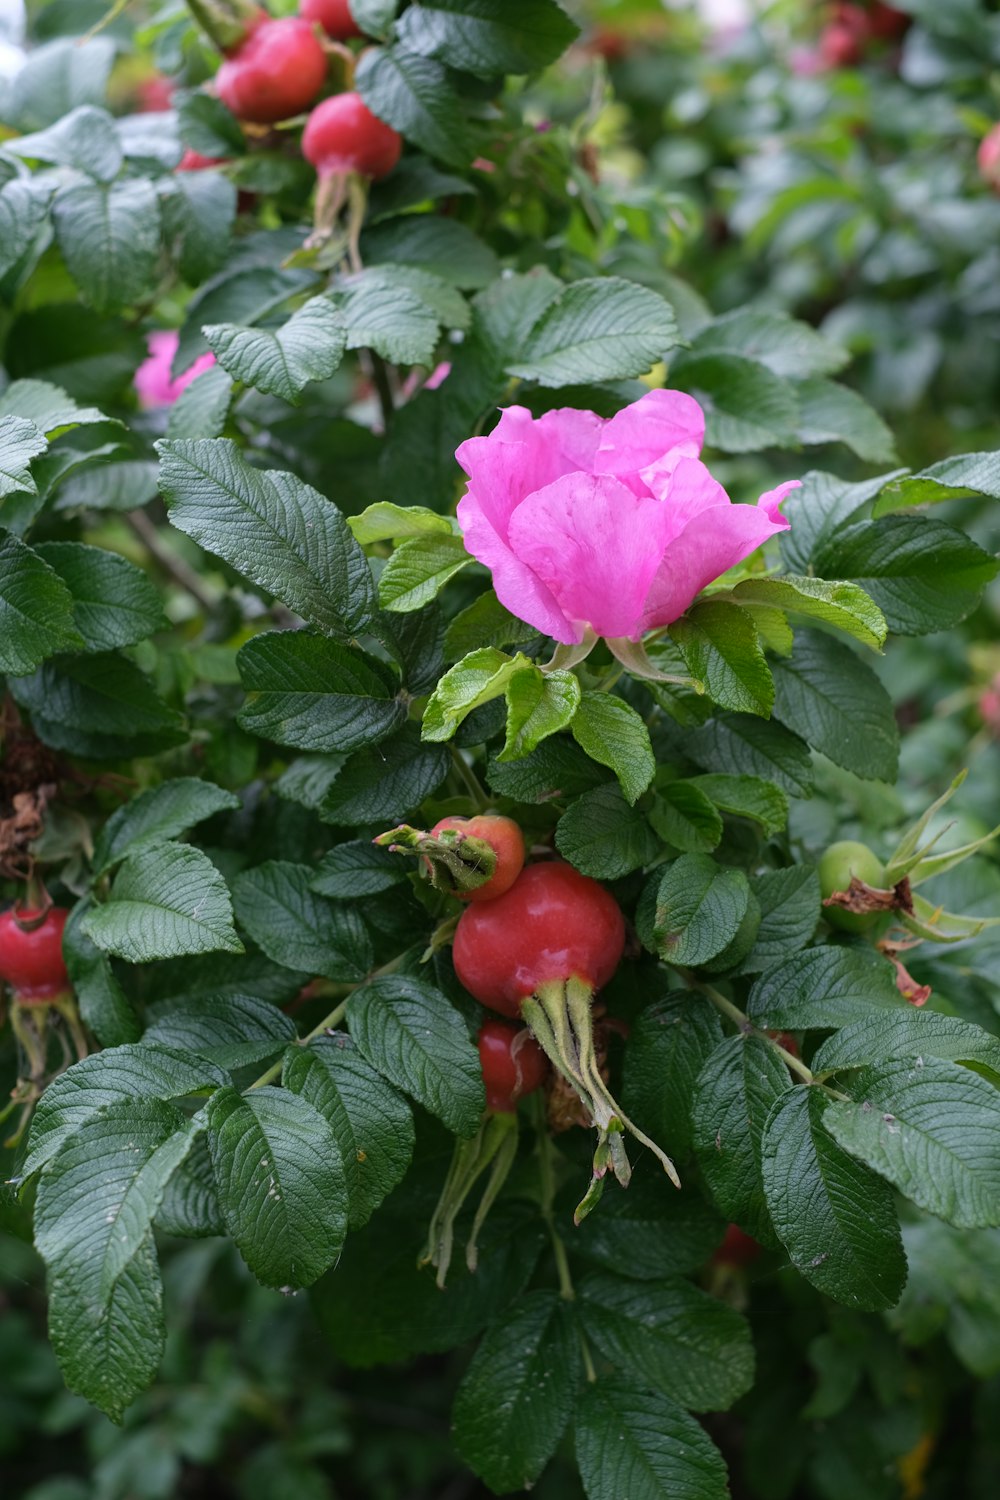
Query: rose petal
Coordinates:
[645,432]
[595,546]
[515,584]
[523,454]
[771,500]
[713,542]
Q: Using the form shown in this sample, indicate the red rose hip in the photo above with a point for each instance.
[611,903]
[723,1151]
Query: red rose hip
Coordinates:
[342,135]
[512,1064]
[31,958]
[504,838]
[334,16]
[274,73]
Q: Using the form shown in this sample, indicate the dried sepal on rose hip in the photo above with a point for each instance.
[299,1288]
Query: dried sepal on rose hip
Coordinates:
[513,1066]
[540,953]
[473,859]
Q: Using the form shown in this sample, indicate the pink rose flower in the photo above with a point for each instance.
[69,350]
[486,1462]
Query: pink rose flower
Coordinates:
[608,525]
[153,380]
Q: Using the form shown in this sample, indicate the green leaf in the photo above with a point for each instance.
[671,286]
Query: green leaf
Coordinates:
[357,869]
[843,605]
[484,623]
[49,407]
[516,1397]
[202,408]
[308,347]
[415,1038]
[952,478]
[20,442]
[24,213]
[157,816]
[198,218]
[740,745]
[116,1076]
[98,705]
[93,1228]
[385,521]
[398,311]
[697,910]
[908,1033]
[487,38]
[824,987]
[316,694]
[746,406]
[786,346]
[206,125]
[36,609]
[114,603]
[56,78]
[444,247]
[746,797]
[295,927]
[557,770]
[835,1218]
[636,1443]
[832,413]
[600,328]
[538,704]
[826,694]
[789,903]
[164,901]
[275,530]
[238,294]
[603,836]
[671,1336]
[652,1229]
[924,575]
[733,1096]
[477,679]
[720,647]
[932,1128]
[819,508]
[418,571]
[231,1030]
[190,1204]
[384,783]
[686,818]
[85,139]
[104,1008]
[280,1181]
[110,239]
[372,1123]
[670,1042]
[613,734]
[416,96]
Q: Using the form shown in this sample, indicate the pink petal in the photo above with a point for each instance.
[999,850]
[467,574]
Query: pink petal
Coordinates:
[523,454]
[595,546]
[643,433]
[152,379]
[771,500]
[686,488]
[713,542]
[516,586]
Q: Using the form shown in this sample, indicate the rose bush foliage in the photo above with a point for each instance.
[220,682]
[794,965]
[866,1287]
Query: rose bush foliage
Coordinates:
[322,512]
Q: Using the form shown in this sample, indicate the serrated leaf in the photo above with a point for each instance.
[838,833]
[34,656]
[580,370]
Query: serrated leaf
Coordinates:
[316,694]
[477,679]
[99,705]
[36,609]
[104,1007]
[924,575]
[746,797]
[952,478]
[826,694]
[932,1129]
[734,1093]
[384,783]
[613,734]
[114,603]
[557,770]
[164,901]
[49,407]
[669,1044]
[634,1442]
[190,1204]
[356,869]
[670,1335]
[443,247]
[110,239]
[297,928]
[603,837]
[600,328]
[198,217]
[231,1030]
[516,1397]
[275,530]
[824,987]
[843,605]
[415,95]
[93,1218]
[789,903]
[684,817]
[696,912]
[56,78]
[206,125]
[652,1229]
[20,442]
[411,1034]
[739,744]
[821,506]
[747,407]
[392,311]
[835,1218]
[907,1033]
[202,407]
[538,704]
[308,347]
[24,213]
[385,521]
[85,139]
[115,1076]
[280,1182]
[486,38]
[158,815]
[240,293]
[419,569]
[720,647]
[786,346]
[832,413]
[372,1123]
[484,623]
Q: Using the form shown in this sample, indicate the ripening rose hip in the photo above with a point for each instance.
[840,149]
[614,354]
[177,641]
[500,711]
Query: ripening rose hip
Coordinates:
[276,72]
[342,135]
[334,16]
[512,1064]
[31,958]
[504,838]
[840,862]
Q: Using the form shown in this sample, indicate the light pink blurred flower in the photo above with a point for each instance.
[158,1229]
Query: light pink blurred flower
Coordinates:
[611,524]
[152,379]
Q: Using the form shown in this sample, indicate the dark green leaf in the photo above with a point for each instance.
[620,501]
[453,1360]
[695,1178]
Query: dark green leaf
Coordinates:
[746,797]
[786,346]
[231,1030]
[825,693]
[36,608]
[737,744]
[104,1008]
[747,407]
[357,869]
[384,783]
[832,413]
[282,363]
[190,1203]
[669,1044]
[292,925]
[835,1218]
[110,239]
[824,987]
[600,328]
[444,247]
[85,139]
[488,37]
[114,603]
[686,818]
[557,770]
[720,647]
[164,901]
[634,1442]
[415,95]
[484,623]
[653,1229]
[24,212]
[57,78]
[157,816]
[697,910]
[613,734]
[98,705]
[198,217]
[789,907]
[908,1033]
[207,126]
[603,837]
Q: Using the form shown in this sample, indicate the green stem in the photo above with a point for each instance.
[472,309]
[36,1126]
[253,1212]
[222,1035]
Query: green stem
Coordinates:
[742,1020]
[469,779]
[547,1182]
